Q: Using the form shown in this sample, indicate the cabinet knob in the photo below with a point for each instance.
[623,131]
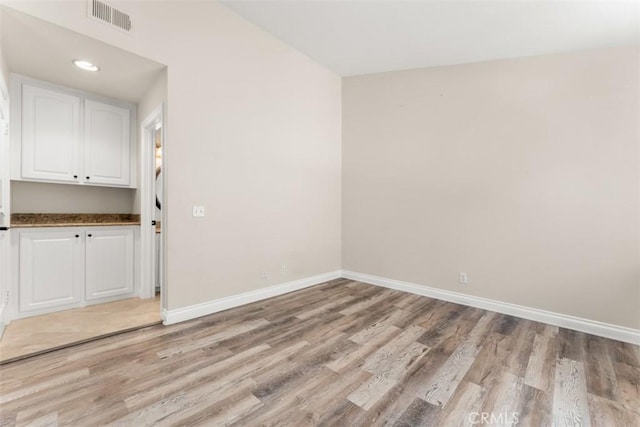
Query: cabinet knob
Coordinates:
[89,235]
[75,176]
[88,177]
[77,235]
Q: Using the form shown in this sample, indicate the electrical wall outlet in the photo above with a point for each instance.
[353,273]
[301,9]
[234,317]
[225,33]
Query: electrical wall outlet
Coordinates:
[283,269]
[463,278]
[198,210]
[264,275]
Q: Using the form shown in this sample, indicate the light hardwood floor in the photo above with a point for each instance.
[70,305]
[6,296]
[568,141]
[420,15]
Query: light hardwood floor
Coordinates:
[49,331]
[338,354]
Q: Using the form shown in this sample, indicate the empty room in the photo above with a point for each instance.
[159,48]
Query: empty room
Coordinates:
[319,213]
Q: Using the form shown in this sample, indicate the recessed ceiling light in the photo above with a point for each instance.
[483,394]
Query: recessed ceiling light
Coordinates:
[85,65]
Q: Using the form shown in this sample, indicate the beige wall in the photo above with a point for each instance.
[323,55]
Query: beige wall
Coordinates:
[35,197]
[253,135]
[522,173]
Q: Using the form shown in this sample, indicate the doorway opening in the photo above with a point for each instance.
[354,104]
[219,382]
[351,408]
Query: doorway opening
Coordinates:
[78,212]
[152,209]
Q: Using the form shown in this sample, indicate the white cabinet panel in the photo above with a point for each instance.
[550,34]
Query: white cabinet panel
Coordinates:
[50,135]
[51,269]
[109,263]
[107,144]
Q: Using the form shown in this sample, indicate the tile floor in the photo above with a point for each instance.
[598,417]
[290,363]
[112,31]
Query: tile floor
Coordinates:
[43,333]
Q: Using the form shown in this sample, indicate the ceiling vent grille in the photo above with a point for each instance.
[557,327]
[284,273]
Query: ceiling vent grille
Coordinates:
[108,14]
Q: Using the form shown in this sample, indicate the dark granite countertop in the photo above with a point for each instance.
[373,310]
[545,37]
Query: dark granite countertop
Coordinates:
[25,220]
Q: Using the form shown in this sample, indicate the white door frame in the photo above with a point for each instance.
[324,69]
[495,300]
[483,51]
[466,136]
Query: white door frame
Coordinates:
[6,299]
[4,151]
[147,202]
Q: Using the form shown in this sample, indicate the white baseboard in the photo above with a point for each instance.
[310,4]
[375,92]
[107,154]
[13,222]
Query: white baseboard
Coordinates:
[170,317]
[593,327]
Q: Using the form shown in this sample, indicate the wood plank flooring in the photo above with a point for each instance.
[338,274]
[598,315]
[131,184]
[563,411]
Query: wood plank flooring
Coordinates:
[337,354]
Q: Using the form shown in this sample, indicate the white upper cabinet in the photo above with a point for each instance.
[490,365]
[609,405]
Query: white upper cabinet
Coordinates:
[50,135]
[107,144]
[62,135]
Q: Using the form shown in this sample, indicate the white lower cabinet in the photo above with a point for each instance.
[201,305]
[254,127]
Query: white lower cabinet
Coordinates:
[74,266]
[51,269]
[109,263]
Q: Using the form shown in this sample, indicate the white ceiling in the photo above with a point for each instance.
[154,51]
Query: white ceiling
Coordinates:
[360,37]
[44,51]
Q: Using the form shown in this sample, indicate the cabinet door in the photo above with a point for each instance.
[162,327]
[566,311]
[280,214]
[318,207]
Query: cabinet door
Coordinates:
[50,135]
[51,269]
[107,144]
[109,263]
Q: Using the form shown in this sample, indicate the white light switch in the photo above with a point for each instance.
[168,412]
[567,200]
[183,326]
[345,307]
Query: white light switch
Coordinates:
[198,210]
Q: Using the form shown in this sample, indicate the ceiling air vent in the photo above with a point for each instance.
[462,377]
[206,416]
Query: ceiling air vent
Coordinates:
[103,12]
